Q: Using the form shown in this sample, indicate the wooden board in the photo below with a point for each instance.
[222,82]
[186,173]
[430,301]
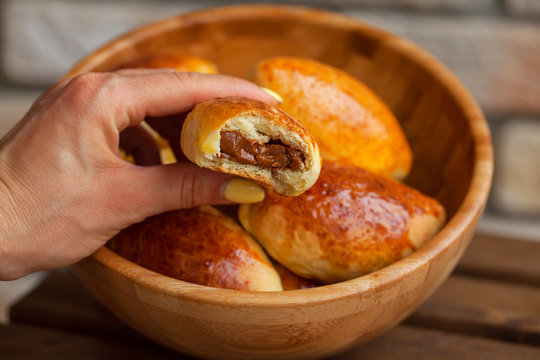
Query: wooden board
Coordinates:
[501,258]
[61,302]
[26,342]
[488,308]
[473,315]
[29,342]
[509,312]
[404,342]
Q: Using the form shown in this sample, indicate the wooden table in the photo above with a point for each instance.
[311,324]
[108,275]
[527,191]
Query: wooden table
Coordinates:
[488,309]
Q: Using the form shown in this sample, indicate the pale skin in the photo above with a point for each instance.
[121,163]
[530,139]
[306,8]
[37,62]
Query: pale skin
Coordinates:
[65,190]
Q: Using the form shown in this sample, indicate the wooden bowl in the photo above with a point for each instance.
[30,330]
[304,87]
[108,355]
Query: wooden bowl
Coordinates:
[452,162]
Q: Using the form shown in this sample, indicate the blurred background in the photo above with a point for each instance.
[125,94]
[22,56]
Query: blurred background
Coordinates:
[493,46]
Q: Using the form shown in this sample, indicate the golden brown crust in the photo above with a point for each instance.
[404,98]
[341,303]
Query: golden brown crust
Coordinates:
[349,121]
[198,245]
[180,62]
[201,135]
[350,223]
[217,112]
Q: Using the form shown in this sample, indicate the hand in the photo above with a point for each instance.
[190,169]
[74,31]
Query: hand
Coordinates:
[64,190]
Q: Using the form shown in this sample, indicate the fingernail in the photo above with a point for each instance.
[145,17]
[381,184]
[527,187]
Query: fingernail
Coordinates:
[243,191]
[273,94]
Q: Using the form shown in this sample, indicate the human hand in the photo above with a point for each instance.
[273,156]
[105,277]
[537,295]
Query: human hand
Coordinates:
[64,189]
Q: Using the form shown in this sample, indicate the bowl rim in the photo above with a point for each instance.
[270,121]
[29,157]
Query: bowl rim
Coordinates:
[468,212]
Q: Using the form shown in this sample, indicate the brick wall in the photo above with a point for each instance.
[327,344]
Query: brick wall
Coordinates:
[493,46]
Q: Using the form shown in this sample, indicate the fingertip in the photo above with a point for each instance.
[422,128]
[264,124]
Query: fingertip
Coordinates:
[275,97]
[242,191]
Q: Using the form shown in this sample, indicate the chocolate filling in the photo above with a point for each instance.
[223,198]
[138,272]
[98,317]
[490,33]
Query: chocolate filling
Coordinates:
[274,154]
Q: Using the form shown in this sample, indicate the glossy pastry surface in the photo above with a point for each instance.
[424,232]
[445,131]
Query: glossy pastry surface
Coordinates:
[349,121]
[350,223]
[201,246]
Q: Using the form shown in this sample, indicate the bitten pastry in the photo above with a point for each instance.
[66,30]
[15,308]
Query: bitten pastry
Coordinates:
[201,246]
[252,139]
[350,223]
[350,122]
[180,62]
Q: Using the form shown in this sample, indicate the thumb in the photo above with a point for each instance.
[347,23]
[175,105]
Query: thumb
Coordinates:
[185,185]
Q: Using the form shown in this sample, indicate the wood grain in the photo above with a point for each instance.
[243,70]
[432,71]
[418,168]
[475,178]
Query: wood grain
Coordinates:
[452,162]
[463,304]
[498,258]
[74,324]
[481,307]
[406,342]
[403,342]
[61,302]
[26,342]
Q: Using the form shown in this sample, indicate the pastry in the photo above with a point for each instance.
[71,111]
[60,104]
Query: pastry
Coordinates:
[199,245]
[350,223]
[252,139]
[349,121]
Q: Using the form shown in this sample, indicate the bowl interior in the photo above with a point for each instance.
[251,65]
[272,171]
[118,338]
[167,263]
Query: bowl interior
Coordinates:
[445,128]
[237,38]
[452,162]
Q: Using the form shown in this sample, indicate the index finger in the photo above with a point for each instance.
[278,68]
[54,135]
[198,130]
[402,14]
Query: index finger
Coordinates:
[163,93]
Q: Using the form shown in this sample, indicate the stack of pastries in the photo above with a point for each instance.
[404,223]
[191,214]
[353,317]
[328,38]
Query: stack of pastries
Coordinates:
[331,157]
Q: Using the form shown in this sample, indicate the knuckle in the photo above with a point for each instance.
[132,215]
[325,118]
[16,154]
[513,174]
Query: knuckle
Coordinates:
[85,88]
[187,78]
[84,84]
[188,191]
